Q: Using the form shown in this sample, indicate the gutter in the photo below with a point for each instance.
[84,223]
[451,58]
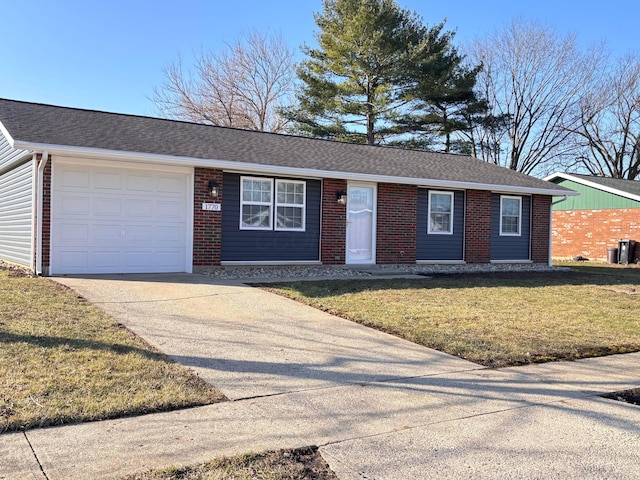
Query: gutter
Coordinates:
[40,188]
[564,198]
[230,165]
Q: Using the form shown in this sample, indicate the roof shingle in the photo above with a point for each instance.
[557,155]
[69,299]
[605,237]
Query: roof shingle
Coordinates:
[33,123]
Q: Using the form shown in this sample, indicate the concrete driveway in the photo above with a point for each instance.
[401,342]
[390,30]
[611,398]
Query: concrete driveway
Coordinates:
[379,407]
[251,343]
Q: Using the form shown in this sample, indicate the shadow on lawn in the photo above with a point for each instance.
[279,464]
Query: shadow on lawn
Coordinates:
[74,344]
[526,279]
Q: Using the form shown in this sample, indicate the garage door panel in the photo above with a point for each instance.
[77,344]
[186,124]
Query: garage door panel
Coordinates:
[135,207]
[107,181]
[74,179]
[107,207]
[73,234]
[139,183]
[170,185]
[73,205]
[111,234]
[119,220]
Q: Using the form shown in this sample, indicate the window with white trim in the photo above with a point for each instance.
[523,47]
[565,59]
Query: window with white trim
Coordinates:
[256,203]
[510,215]
[290,205]
[440,213]
[259,202]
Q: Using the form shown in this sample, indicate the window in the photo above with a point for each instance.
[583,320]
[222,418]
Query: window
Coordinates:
[290,197]
[440,213]
[510,215]
[257,204]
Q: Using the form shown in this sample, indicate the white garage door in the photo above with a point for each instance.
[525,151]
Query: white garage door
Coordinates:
[119,220]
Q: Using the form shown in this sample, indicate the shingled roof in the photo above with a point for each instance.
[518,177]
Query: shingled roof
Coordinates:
[33,126]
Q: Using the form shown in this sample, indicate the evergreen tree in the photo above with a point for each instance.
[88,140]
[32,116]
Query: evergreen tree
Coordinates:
[361,80]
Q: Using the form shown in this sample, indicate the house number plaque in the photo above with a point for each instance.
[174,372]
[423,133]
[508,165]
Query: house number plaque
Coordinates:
[214,207]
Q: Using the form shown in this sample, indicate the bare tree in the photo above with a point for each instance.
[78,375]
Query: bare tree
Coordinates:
[608,132]
[244,86]
[531,78]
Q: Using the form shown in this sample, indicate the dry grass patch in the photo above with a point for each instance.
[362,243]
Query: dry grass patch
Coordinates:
[303,463]
[493,319]
[62,360]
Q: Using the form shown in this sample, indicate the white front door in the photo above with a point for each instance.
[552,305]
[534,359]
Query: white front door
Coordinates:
[361,223]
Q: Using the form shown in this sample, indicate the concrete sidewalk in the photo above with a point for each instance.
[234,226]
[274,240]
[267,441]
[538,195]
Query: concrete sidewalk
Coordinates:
[379,407]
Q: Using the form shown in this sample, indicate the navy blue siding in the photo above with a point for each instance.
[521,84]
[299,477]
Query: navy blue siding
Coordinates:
[268,245]
[439,247]
[510,247]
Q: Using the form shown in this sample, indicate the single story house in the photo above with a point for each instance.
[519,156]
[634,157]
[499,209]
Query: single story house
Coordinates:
[86,192]
[606,211]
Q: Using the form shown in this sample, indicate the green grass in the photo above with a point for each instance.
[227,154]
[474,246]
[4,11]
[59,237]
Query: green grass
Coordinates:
[494,319]
[62,360]
[303,463]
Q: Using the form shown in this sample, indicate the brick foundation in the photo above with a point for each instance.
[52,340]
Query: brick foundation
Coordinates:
[396,224]
[207,225]
[334,224]
[589,233]
[477,230]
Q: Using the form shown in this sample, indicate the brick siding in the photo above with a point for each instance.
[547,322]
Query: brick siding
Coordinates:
[590,232]
[207,225]
[46,217]
[334,223]
[541,216]
[396,223]
[477,230]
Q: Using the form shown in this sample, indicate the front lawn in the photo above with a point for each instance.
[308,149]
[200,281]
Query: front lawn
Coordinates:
[62,360]
[496,319]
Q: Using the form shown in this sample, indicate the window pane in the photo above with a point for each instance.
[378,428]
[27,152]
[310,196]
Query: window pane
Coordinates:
[290,192]
[440,222]
[510,206]
[509,224]
[289,218]
[255,216]
[440,203]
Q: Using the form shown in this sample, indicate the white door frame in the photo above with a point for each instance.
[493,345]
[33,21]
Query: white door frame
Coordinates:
[349,258]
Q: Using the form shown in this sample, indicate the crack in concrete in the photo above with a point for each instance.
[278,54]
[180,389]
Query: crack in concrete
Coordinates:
[35,455]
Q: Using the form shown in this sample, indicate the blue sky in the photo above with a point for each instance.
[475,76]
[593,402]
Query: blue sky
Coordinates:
[109,55]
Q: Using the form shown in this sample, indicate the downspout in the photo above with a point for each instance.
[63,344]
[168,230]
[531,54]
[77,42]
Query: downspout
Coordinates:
[564,197]
[34,208]
[40,180]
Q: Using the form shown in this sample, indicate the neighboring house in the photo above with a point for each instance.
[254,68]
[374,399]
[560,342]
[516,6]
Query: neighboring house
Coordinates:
[607,211]
[93,192]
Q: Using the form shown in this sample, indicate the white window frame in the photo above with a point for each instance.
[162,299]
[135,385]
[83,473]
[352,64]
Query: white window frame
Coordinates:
[450,231]
[511,234]
[268,204]
[302,206]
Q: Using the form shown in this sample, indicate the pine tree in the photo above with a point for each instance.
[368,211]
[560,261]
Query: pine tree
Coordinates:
[360,81]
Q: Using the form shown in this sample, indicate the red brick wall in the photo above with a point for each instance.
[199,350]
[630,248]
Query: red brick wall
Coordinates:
[207,225]
[334,217]
[477,230]
[541,216]
[590,232]
[46,217]
[396,223]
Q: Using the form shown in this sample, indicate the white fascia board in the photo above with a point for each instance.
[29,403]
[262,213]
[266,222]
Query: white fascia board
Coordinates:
[7,135]
[125,156]
[595,185]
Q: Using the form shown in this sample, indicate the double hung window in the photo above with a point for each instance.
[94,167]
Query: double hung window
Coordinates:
[510,215]
[262,208]
[440,213]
